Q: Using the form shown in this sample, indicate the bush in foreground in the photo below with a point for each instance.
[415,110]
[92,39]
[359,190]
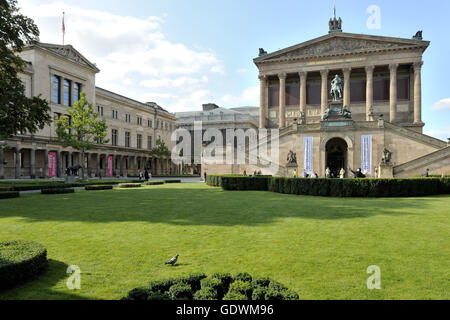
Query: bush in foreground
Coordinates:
[130,185]
[9,194]
[57,191]
[153,183]
[217,287]
[21,261]
[172,181]
[97,188]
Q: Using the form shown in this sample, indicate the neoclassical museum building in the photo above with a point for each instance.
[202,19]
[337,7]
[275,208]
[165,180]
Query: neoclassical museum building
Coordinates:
[381,88]
[59,74]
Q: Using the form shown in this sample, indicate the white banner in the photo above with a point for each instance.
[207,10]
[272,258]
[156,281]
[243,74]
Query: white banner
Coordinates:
[308,154]
[366,153]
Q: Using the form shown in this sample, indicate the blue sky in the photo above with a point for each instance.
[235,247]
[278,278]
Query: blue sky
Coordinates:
[185,53]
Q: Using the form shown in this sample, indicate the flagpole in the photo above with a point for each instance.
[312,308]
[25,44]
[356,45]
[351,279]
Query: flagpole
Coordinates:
[63,28]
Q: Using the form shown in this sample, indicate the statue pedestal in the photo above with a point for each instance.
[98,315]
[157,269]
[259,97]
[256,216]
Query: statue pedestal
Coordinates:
[386,171]
[290,169]
[71,179]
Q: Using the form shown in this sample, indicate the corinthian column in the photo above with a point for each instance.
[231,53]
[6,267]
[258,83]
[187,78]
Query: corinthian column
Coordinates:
[393,92]
[302,91]
[262,102]
[347,72]
[369,90]
[324,95]
[418,92]
[282,121]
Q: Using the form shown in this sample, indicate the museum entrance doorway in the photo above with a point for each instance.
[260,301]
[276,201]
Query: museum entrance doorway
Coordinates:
[336,150]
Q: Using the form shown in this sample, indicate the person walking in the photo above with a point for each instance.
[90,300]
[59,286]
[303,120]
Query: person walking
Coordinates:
[342,173]
[146,176]
[327,173]
[205,175]
[295,173]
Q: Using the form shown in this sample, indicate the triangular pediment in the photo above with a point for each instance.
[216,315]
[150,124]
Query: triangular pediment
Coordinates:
[69,52]
[341,44]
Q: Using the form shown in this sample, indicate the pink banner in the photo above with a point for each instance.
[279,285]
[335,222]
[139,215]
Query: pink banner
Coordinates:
[52,164]
[110,166]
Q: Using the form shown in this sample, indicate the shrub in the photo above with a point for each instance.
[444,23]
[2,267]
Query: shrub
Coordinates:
[4,189]
[225,278]
[206,294]
[130,185]
[99,187]
[194,280]
[21,261]
[181,291]
[158,296]
[153,183]
[259,294]
[172,181]
[57,191]
[139,294]
[242,287]
[9,194]
[245,277]
[245,183]
[161,286]
[235,296]
[219,286]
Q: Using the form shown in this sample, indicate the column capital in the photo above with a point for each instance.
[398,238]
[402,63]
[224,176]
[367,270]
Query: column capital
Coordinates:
[282,75]
[417,66]
[303,74]
[324,73]
[393,67]
[369,69]
[262,77]
[347,69]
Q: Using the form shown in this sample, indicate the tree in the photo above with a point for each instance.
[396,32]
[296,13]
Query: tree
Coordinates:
[18,113]
[160,149]
[81,129]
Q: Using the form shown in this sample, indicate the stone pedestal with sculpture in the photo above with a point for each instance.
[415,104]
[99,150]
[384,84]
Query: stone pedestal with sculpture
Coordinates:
[292,165]
[386,168]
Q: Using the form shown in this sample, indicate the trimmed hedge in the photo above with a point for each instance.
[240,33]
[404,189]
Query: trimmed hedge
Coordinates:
[5,189]
[21,261]
[9,194]
[130,185]
[97,188]
[153,183]
[172,181]
[57,191]
[336,187]
[217,287]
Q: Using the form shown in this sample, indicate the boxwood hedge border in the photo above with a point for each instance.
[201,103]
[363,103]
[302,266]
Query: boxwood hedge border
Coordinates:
[21,261]
[370,188]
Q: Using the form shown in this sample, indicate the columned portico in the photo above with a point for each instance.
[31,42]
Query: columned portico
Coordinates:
[302,95]
[282,111]
[324,91]
[347,72]
[369,91]
[262,102]
[393,92]
[418,92]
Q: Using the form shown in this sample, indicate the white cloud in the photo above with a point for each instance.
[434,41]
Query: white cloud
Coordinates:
[249,97]
[241,71]
[443,104]
[443,134]
[128,51]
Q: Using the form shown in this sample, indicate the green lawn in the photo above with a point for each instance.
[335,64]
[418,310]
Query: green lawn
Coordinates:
[320,247]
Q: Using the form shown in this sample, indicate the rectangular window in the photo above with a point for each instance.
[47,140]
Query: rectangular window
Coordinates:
[114,137]
[115,114]
[139,141]
[100,111]
[274,97]
[139,121]
[67,92]
[358,91]
[403,88]
[127,139]
[149,143]
[127,118]
[76,92]
[381,89]
[56,85]
[150,123]
[293,95]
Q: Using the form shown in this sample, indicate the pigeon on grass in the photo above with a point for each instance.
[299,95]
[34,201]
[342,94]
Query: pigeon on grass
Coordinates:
[173,260]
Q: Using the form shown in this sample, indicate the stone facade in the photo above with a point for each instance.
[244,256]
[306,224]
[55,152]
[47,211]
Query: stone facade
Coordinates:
[143,123]
[388,112]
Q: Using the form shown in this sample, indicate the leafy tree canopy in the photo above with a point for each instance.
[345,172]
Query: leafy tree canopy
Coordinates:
[17,112]
[160,149]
